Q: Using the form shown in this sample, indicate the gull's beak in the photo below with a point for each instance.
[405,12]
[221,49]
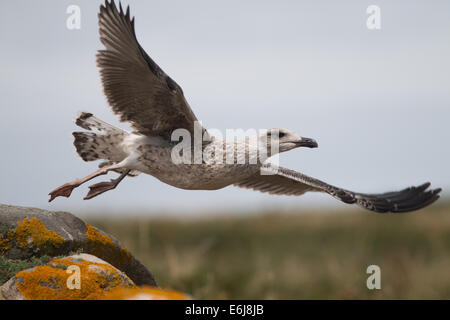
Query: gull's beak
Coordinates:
[307,142]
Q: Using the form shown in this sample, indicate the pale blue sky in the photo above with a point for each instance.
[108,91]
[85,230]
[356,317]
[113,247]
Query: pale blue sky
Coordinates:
[378,102]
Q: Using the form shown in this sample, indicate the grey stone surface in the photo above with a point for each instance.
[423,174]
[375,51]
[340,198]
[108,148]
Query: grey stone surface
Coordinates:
[73,235]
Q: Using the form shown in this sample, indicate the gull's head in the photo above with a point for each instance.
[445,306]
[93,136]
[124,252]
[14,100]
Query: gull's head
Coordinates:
[284,140]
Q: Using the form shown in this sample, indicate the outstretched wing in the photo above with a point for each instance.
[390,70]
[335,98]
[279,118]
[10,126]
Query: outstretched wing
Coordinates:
[135,86]
[282,181]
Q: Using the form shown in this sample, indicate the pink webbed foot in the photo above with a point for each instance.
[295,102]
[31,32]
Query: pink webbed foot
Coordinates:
[63,191]
[99,188]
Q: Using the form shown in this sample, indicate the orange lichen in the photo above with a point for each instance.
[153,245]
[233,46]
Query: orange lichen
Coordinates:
[145,293]
[102,246]
[49,282]
[4,245]
[31,232]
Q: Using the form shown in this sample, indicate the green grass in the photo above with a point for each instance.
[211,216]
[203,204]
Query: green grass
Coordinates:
[9,267]
[295,256]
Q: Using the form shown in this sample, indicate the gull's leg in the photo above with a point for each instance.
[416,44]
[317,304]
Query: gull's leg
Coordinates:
[99,188]
[66,189]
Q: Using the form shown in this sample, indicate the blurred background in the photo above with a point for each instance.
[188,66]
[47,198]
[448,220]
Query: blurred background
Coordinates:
[377,102]
[307,254]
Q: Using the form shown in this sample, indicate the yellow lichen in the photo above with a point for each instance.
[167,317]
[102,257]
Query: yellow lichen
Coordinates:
[102,246]
[31,232]
[145,293]
[4,245]
[49,282]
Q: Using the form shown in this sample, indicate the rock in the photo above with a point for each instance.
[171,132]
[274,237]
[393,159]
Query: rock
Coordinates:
[145,293]
[55,280]
[30,232]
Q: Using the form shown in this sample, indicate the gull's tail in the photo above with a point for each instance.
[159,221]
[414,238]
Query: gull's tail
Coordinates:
[106,144]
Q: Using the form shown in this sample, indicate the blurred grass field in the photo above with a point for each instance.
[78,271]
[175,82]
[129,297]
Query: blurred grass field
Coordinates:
[308,255]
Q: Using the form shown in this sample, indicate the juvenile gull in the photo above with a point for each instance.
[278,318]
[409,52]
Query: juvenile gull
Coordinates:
[142,94]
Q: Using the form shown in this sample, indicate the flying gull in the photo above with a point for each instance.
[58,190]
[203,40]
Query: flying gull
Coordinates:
[141,93]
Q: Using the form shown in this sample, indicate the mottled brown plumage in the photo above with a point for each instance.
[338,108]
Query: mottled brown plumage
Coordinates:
[137,89]
[282,181]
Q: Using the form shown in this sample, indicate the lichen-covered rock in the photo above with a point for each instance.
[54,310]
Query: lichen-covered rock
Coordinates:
[145,293]
[52,281]
[30,232]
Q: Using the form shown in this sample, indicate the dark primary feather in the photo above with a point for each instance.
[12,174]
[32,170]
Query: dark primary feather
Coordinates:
[284,181]
[136,87]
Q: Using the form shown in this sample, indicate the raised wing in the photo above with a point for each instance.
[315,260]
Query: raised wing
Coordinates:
[284,181]
[135,86]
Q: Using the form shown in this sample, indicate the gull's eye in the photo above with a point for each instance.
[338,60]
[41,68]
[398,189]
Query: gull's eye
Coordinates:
[281,135]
